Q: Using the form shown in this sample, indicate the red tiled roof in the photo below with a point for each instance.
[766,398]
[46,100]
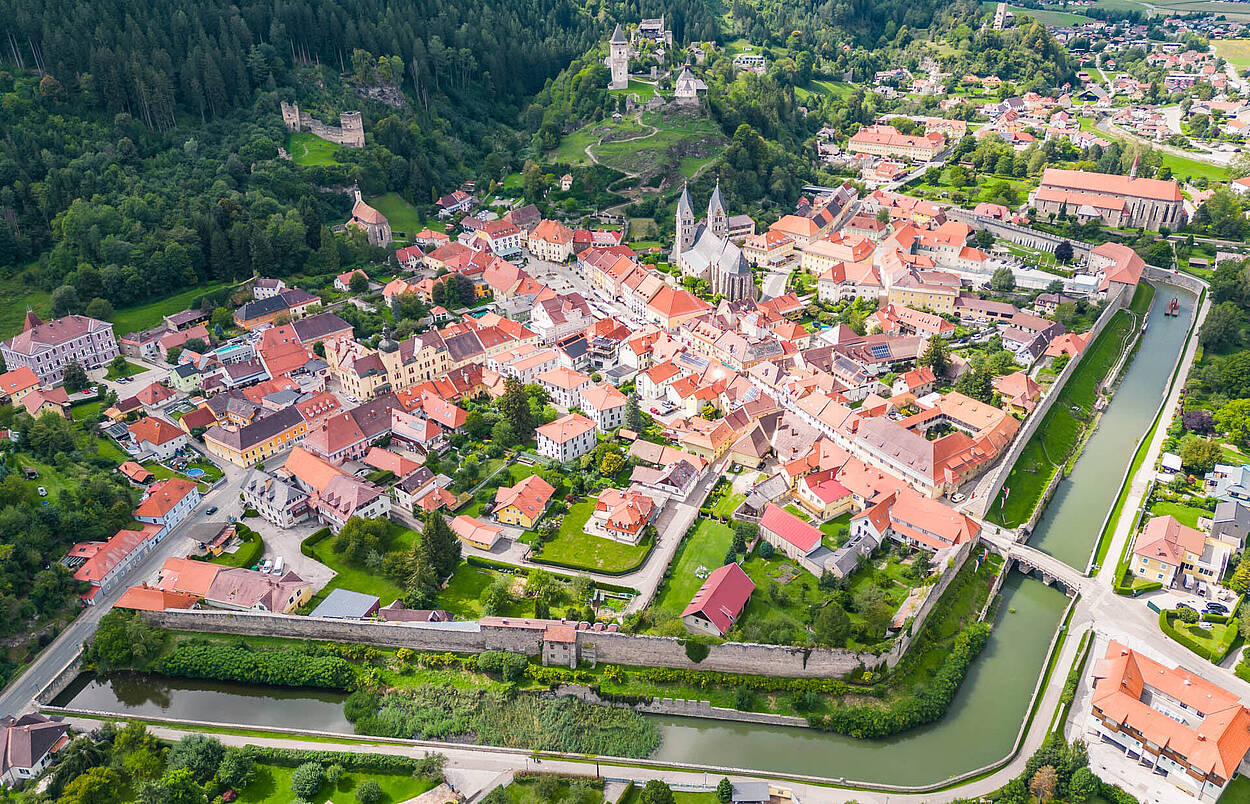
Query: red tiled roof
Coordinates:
[722,597]
[789,527]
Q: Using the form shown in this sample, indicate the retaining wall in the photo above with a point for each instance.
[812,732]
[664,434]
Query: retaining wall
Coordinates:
[1023,235]
[60,681]
[526,637]
[682,707]
[1120,300]
[1182,280]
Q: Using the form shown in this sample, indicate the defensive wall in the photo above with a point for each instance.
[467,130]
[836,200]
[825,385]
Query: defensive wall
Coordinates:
[525,636]
[1120,300]
[1023,235]
[350,132]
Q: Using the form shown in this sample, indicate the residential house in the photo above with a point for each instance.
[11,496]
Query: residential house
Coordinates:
[275,499]
[157,438]
[28,744]
[1173,554]
[523,504]
[168,502]
[566,438]
[45,348]
[476,533]
[718,604]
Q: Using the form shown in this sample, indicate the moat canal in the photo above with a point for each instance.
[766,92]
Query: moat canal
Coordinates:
[1071,523]
[979,728]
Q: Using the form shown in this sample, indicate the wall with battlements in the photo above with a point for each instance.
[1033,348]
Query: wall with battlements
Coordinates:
[518,635]
[349,133]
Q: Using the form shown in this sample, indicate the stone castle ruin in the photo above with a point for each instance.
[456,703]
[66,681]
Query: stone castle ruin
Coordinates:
[350,132]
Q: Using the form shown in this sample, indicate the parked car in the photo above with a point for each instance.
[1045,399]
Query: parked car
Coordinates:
[212,509]
[43,492]
[1186,606]
[1213,607]
[958,497]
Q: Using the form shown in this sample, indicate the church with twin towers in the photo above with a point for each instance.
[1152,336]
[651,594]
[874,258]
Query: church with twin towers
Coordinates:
[704,250]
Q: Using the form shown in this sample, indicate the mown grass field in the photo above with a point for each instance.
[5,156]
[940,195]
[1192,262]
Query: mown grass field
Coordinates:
[271,784]
[706,547]
[573,547]
[402,215]
[1234,51]
[361,579]
[147,315]
[310,150]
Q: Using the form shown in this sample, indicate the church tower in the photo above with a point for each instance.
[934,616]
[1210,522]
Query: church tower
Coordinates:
[717,220]
[618,59]
[684,238]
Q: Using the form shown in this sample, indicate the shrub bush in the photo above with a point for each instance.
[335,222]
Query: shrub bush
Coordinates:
[307,779]
[280,667]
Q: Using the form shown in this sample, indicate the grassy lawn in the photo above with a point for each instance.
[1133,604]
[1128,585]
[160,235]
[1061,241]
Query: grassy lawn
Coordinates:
[1183,166]
[51,479]
[706,547]
[1237,53]
[1045,17]
[159,470]
[271,784]
[85,409]
[463,595]
[131,368]
[310,150]
[1237,792]
[1186,515]
[1057,436]
[573,547]
[641,89]
[527,791]
[652,154]
[133,319]
[15,299]
[360,579]
[797,511]
[832,527]
[402,215]
[635,797]
[1211,643]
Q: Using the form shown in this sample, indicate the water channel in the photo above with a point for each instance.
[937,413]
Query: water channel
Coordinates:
[1070,526]
[983,720]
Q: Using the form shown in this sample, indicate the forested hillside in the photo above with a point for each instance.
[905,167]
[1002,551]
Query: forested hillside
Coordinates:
[140,136]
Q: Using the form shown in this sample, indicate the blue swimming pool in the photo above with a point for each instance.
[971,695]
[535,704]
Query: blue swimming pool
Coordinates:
[193,472]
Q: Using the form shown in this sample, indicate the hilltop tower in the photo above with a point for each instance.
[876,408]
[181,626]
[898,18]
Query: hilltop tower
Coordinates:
[353,127]
[618,59]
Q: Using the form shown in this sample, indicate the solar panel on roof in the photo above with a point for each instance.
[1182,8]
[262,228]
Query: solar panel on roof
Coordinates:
[880,350]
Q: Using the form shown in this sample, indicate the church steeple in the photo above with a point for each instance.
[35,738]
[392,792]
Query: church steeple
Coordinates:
[685,225]
[717,220]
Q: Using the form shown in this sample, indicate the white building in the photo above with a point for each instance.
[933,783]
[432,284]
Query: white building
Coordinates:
[567,438]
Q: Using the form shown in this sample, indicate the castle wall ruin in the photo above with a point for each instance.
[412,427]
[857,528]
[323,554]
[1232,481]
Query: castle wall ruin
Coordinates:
[350,132]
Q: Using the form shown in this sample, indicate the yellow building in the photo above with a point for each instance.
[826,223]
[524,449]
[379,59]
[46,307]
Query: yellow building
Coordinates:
[262,439]
[523,504]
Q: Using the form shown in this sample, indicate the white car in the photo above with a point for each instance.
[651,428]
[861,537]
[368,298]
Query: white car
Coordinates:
[43,492]
[958,498]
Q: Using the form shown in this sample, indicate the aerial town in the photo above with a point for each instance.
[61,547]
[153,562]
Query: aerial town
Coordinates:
[745,404]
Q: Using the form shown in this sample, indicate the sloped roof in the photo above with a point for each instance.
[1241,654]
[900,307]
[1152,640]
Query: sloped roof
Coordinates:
[722,597]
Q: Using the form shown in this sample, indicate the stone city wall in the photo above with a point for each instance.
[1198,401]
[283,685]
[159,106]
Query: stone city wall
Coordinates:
[1121,299]
[681,707]
[1032,238]
[1189,282]
[525,637]
[60,681]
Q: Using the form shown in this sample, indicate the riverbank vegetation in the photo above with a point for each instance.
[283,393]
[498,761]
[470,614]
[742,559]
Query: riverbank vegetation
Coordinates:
[1055,442]
[506,697]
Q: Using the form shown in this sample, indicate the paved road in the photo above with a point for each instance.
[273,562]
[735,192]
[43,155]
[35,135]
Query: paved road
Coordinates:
[1218,158]
[19,694]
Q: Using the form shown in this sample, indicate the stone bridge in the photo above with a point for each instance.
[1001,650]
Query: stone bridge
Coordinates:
[1032,561]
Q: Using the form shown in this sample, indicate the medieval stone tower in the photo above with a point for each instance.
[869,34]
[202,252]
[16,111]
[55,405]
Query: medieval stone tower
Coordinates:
[349,133]
[618,59]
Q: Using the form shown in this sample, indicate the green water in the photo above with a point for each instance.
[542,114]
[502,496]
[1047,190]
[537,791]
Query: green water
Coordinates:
[1071,523]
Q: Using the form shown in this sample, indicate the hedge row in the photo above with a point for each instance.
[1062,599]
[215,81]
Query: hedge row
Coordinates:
[306,546]
[870,720]
[351,761]
[1165,625]
[693,678]
[281,667]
